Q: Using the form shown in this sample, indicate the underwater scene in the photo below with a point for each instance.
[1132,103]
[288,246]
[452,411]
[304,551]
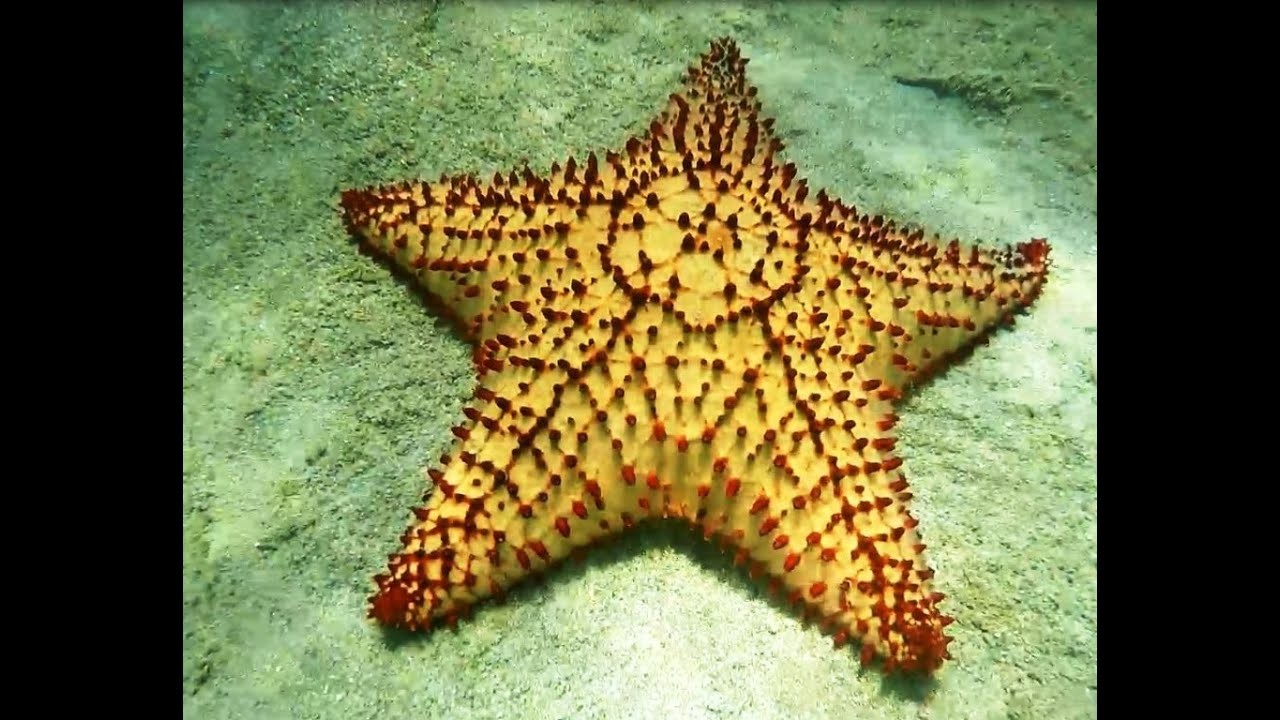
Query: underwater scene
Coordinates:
[639,360]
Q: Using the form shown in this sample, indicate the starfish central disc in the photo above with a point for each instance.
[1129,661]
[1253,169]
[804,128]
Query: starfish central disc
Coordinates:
[709,253]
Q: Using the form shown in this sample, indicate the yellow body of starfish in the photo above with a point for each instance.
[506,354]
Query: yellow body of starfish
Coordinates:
[683,330]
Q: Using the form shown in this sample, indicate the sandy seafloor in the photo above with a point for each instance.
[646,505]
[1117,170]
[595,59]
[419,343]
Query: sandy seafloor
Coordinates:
[316,387]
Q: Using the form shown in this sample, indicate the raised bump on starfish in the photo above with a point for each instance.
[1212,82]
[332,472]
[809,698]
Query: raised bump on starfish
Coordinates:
[683,330]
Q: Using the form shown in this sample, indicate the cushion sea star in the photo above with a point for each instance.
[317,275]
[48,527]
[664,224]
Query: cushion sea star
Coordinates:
[683,330]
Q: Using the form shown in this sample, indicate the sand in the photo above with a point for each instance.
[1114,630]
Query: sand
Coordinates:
[316,387]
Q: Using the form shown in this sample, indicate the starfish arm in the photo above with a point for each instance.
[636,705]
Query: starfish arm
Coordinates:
[916,303]
[713,125]
[533,476]
[847,548]
[500,257]
[807,491]
[829,525]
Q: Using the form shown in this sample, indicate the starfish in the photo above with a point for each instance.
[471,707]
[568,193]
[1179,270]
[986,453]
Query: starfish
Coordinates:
[683,330]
